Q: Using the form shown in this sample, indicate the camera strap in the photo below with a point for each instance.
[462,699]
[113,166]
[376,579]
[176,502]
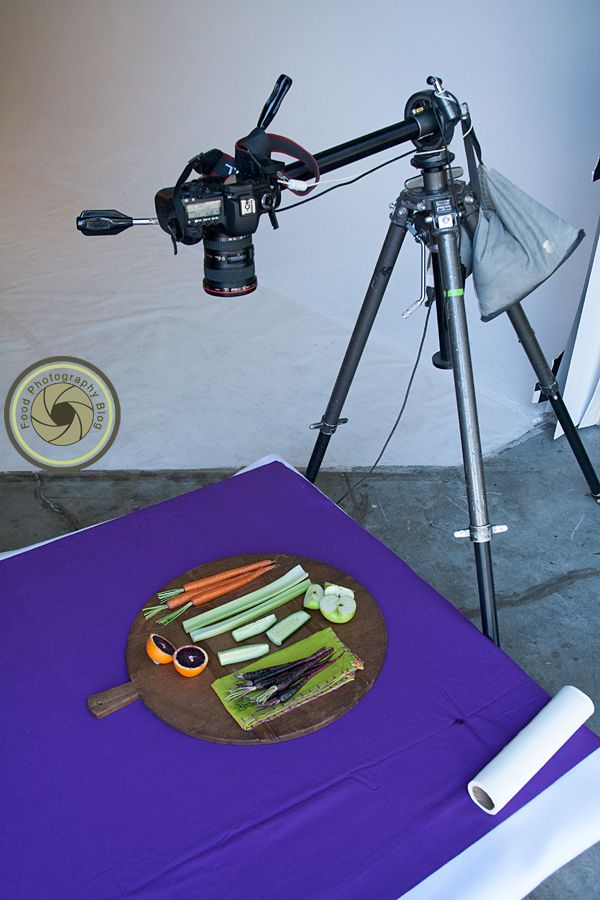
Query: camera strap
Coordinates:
[177,229]
[259,145]
[288,147]
[474,158]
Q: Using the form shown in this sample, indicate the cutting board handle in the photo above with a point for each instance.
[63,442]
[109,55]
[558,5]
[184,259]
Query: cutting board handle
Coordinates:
[109,701]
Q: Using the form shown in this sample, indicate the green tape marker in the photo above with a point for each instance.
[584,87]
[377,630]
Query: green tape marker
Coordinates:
[455,292]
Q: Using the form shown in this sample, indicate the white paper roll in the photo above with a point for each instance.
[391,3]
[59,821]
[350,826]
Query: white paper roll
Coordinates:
[531,749]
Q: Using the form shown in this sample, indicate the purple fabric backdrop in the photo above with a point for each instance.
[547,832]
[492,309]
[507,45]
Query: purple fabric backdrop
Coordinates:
[128,807]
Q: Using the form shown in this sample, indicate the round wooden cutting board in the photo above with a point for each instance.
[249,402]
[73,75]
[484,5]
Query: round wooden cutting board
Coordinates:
[191,706]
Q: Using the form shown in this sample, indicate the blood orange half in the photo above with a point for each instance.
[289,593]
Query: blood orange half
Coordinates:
[159,650]
[190,660]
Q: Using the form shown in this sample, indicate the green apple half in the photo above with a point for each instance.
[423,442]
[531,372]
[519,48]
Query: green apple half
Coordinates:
[312,597]
[338,604]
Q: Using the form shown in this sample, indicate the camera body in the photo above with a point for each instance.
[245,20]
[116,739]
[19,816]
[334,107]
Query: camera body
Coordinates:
[207,207]
[223,208]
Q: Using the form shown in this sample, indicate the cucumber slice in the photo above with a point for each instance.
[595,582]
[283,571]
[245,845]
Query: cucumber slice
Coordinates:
[282,631]
[312,597]
[253,628]
[241,654]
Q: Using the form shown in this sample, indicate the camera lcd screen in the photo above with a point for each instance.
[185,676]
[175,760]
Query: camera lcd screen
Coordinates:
[204,209]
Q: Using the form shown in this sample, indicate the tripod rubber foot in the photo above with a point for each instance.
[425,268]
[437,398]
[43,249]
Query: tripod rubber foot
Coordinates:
[440,362]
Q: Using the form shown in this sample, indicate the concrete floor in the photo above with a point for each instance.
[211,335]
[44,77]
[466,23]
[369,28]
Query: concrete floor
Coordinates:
[547,567]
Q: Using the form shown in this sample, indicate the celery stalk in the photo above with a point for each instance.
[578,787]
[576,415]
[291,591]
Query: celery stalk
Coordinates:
[236,606]
[250,614]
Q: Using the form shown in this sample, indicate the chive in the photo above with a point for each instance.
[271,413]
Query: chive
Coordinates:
[255,597]
[242,654]
[166,595]
[174,614]
[150,611]
[250,614]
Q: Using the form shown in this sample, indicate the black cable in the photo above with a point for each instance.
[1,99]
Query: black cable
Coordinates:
[403,407]
[344,183]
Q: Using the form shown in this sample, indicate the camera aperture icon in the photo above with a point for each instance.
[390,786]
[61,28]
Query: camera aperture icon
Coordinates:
[62,415]
[62,412]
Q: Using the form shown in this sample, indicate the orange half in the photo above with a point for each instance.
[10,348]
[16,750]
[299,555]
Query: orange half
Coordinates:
[159,650]
[190,660]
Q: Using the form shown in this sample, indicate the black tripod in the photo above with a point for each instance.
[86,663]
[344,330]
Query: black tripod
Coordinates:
[432,207]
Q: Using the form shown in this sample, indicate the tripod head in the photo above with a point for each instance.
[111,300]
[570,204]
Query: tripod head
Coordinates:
[223,206]
[444,107]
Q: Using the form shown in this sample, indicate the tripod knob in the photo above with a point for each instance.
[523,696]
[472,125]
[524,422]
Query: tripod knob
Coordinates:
[436,82]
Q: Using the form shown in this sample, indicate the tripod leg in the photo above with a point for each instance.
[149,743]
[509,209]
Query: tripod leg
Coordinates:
[480,528]
[549,387]
[383,269]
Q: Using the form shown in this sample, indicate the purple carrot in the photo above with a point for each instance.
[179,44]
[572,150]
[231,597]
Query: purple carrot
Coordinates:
[260,674]
[282,696]
[277,677]
[289,678]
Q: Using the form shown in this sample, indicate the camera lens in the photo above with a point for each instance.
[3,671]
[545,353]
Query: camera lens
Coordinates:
[229,266]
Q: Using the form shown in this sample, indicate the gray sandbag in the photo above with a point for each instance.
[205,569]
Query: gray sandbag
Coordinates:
[517,244]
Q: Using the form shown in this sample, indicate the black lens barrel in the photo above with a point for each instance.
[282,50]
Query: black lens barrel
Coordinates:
[229,266]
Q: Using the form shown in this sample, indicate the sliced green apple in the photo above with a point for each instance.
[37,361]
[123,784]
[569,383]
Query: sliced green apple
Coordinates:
[338,606]
[338,590]
[312,597]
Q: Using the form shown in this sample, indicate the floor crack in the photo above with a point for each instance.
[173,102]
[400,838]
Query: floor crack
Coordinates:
[360,502]
[47,503]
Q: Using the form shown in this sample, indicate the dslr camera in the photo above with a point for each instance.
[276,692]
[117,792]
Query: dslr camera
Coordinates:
[223,208]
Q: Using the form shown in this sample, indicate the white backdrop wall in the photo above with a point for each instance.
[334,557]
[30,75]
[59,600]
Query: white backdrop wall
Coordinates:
[104,102]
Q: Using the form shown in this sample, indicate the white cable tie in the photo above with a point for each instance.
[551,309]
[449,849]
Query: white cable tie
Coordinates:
[295,185]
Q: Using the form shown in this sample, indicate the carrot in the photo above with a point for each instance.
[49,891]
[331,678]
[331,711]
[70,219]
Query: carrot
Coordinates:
[227,587]
[213,591]
[222,576]
[179,600]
